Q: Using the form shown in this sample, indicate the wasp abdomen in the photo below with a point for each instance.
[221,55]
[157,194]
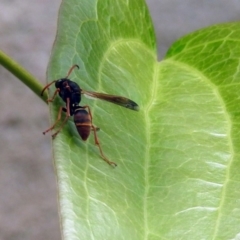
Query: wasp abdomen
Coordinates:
[83,123]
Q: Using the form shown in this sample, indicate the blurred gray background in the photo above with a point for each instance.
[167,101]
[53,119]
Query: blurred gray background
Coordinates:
[28,197]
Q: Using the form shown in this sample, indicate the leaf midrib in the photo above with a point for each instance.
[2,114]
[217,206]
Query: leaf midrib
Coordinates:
[148,146]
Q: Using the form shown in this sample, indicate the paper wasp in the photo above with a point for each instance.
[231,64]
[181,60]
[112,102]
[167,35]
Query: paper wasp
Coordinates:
[70,92]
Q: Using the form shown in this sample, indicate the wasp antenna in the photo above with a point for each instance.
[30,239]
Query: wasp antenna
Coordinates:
[70,70]
[47,87]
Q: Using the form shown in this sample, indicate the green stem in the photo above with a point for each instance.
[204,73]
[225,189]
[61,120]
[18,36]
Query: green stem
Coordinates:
[22,74]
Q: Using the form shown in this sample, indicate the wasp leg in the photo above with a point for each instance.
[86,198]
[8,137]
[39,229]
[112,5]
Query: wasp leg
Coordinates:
[54,95]
[65,120]
[95,129]
[58,119]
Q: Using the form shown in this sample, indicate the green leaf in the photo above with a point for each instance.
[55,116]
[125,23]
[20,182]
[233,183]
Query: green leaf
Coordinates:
[178,157]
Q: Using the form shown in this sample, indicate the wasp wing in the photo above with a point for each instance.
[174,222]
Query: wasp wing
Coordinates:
[121,101]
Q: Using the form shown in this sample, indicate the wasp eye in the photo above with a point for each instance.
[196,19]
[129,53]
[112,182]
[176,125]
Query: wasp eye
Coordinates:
[58,83]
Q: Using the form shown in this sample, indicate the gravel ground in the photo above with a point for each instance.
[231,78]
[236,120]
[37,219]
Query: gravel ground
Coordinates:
[28,199]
